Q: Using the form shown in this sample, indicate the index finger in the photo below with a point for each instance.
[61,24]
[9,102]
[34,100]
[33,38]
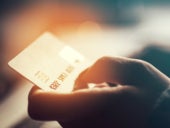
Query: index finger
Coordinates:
[124,71]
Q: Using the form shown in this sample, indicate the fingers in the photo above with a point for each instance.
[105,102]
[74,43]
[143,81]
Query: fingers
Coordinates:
[62,107]
[124,71]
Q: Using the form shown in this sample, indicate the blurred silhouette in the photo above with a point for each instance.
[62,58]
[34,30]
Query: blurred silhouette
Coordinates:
[159,56]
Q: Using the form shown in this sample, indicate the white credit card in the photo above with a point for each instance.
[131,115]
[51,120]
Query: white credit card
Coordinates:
[50,64]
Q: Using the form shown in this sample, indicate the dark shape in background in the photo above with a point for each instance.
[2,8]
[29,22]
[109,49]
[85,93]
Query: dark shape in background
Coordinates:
[157,56]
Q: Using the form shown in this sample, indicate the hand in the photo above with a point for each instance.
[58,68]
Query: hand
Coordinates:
[127,105]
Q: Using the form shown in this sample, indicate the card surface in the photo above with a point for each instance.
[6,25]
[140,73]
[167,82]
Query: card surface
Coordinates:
[49,64]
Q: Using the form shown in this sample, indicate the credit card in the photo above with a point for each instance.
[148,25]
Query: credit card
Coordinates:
[50,64]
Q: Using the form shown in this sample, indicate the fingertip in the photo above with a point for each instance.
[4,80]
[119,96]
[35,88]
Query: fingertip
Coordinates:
[80,83]
[33,90]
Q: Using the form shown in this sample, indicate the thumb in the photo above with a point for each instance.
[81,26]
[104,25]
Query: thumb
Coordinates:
[123,71]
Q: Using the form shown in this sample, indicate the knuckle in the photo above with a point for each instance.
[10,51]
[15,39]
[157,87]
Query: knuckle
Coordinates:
[142,67]
[103,61]
[142,64]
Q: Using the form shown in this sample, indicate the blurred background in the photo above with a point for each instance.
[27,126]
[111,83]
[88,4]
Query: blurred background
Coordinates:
[96,28]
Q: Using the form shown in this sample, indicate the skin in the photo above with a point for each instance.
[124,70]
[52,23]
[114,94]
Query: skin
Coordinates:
[126,101]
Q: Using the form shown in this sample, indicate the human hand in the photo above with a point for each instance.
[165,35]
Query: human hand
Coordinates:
[128,105]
